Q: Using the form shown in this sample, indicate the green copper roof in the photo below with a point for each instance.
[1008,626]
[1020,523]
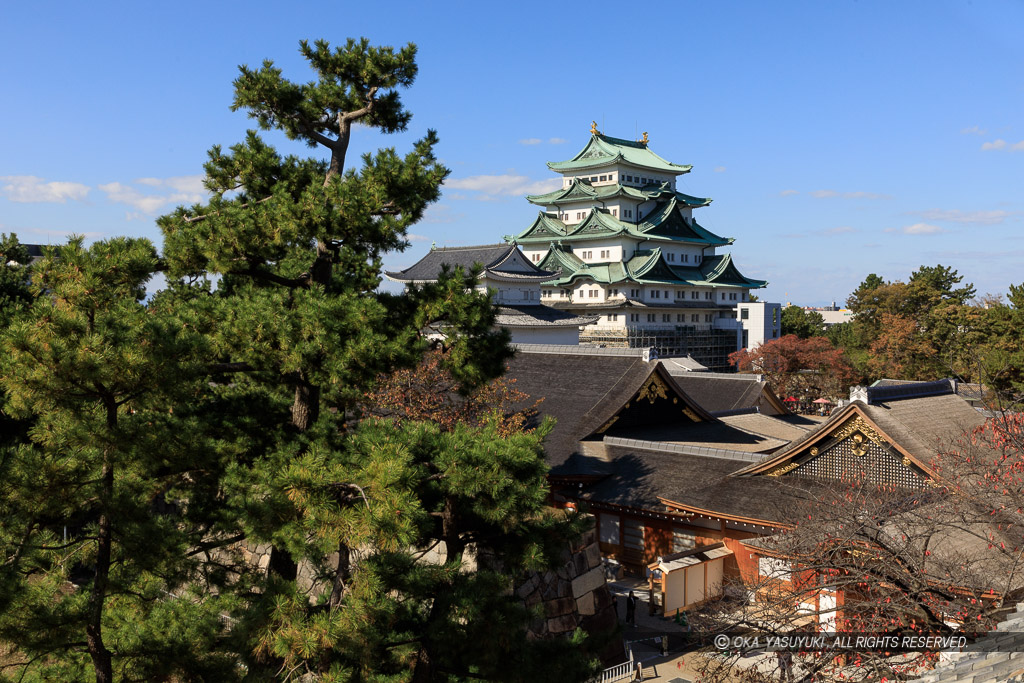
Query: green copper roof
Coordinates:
[545,227]
[720,270]
[664,224]
[582,191]
[646,267]
[602,150]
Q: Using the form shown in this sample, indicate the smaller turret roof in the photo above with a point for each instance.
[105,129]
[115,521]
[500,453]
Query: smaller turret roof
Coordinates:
[603,150]
[498,261]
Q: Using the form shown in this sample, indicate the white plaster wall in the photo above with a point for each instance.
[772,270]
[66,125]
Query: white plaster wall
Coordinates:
[764,321]
[616,248]
[695,583]
[675,590]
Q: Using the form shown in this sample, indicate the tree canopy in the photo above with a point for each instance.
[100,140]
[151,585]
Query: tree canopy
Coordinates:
[167,445]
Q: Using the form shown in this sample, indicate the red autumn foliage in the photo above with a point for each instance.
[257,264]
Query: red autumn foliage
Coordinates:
[809,368]
[429,392]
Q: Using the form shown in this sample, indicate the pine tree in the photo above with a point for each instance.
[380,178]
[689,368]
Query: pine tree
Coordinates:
[300,337]
[102,504]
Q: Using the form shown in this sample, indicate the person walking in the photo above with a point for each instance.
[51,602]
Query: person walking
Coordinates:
[631,609]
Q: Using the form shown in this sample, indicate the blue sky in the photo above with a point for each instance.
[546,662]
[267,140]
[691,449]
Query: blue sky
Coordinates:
[837,138]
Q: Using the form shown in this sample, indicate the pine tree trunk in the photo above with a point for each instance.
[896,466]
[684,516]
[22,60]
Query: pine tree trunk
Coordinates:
[306,406]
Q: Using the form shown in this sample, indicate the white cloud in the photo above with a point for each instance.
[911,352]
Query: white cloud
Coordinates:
[971,217]
[719,169]
[416,238]
[530,141]
[918,229]
[557,141]
[840,230]
[508,184]
[827,194]
[1003,144]
[787,193]
[30,189]
[192,184]
[973,130]
[182,190]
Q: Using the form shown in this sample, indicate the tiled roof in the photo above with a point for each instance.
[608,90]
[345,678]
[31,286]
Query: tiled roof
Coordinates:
[997,657]
[582,392]
[538,315]
[492,257]
[766,425]
[727,393]
[642,477]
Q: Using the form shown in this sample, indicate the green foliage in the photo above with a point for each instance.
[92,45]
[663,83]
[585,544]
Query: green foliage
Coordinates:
[92,574]
[803,324]
[15,274]
[148,446]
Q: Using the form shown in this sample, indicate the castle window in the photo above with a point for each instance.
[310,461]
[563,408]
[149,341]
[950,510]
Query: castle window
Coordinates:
[695,294]
[666,317]
[615,212]
[655,294]
[652,317]
[634,317]
[707,317]
[695,318]
[744,314]
[604,178]
[680,317]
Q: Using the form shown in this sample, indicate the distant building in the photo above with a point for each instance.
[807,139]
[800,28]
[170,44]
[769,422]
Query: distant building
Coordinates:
[625,246]
[514,284]
[830,315]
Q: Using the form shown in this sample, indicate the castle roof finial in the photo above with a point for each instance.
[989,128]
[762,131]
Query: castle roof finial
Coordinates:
[593,128]
[643,140]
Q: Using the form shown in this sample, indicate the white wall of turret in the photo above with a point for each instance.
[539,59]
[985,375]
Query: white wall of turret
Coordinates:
[619,173]
[510,292]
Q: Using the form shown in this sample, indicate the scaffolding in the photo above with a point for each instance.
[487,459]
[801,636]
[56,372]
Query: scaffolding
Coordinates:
[707,346]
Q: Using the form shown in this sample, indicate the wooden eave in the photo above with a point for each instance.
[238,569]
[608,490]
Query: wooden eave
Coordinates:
[724,517]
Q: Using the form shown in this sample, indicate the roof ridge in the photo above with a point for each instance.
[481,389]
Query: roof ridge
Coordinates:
[687,449]
[474,246]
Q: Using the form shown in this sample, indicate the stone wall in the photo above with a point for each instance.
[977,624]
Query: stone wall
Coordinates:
[574,595]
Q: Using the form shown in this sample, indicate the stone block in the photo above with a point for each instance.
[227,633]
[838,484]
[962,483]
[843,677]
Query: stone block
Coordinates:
[585,604]
[528,587]
[533,598]
[562,624]
[564,588]
[603,598]
[588,582]
[580,566]
[593,555]
[558,607]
